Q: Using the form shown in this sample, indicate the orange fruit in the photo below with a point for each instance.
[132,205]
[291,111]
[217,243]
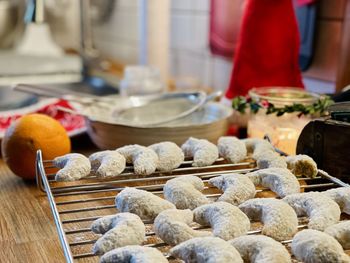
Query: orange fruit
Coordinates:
[27,135]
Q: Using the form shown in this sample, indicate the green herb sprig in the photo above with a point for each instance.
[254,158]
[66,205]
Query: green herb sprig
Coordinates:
[241,104]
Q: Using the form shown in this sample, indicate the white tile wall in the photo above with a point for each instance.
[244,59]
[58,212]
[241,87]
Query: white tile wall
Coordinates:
[221,73]
[188,54]
[201,32]
[181,31]
[118,38]
[201,5]
[181,5]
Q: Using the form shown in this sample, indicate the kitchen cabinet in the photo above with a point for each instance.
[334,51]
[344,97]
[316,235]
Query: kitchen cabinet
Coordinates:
[331,60]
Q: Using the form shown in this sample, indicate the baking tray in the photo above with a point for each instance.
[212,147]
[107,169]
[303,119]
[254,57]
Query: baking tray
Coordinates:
[75,205]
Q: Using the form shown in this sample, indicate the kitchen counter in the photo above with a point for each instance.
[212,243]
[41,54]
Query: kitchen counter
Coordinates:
[27,228]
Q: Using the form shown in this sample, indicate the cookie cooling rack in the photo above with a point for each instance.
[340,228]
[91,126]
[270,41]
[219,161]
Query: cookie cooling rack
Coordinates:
[75,205]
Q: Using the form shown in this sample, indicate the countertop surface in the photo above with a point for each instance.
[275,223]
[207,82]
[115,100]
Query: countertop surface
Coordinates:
[27,229]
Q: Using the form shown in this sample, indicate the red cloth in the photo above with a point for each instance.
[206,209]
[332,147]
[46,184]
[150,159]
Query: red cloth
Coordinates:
[268,48]
[305,2]
[224,30]
[74,124]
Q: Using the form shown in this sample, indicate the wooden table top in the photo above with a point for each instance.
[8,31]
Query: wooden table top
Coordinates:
[27,228]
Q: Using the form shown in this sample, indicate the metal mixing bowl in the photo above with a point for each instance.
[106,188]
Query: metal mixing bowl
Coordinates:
[210,122]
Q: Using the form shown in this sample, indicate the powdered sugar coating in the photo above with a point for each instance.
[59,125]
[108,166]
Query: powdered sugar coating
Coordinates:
[232,149]
[280,180]
[312,246]
[321,210]
[172,226]
[237,188]
[185,192]
[341,196]
[279,219]
[252,143]
[270,159]
[227,221]
[118,230]
[169,154]
[73,167]
[302,165]
[204,153]
[206,250]
[264,154]
[134,254]
[142,203]
[144,159]
[261,249]
[107,163]
[341,232]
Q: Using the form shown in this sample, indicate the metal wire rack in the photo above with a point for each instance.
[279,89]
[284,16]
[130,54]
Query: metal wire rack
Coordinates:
[75,205]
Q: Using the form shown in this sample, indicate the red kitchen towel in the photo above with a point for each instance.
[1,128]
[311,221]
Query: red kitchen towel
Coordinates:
[305,2]
[74,124]
[268,48]
[224,30]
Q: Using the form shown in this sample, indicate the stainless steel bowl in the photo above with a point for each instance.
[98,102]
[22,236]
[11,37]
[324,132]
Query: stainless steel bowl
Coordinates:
[210,122]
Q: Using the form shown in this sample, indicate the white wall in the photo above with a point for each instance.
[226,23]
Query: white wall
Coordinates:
[118,38]
[188,48]
[185,45]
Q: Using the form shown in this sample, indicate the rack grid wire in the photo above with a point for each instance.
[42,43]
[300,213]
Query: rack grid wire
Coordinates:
[75,205]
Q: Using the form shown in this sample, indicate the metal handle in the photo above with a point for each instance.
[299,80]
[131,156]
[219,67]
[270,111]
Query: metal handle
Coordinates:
[37,90]
[72,96]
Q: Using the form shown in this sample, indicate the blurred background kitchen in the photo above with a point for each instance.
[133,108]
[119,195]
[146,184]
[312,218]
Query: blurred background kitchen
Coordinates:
[173,36]
[136,47]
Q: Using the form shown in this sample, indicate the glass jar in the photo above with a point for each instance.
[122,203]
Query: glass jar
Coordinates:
[284,130]
[141,80]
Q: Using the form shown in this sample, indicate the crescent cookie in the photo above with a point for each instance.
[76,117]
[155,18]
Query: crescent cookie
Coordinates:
[142,203]
[312,246]
[134,254]
[118,230]
[227,221]
[279,219]
[185,192]
[321,210]
[302,165]
[73,167]
[206,250]
[341,232]
[169,154]
[172,226]
[237,188]
[144,159]
[261,249]
[232,149]
[107,163]
[204,153]
[280,180]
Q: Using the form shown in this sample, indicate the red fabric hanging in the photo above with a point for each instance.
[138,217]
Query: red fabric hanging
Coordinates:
[268,48]
[225,22]
[305,2]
